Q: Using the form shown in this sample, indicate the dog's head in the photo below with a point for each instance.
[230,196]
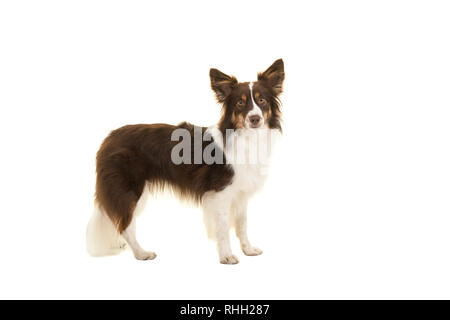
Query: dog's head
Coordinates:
[250,105]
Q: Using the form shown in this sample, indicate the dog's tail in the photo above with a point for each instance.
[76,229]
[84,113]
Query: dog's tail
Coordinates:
[102,238]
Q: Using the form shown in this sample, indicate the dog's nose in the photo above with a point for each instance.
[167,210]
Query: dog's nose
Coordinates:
[254,120]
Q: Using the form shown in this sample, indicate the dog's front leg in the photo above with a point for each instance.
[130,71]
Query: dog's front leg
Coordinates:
[240,225]
[223,238]
[217,210]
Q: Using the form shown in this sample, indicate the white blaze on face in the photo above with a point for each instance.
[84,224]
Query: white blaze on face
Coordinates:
[256,110]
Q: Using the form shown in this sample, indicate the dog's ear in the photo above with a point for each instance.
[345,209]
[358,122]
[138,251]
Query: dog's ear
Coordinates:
[274,77]
[221,84]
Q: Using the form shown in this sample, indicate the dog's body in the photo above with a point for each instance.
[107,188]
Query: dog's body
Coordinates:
[135,160]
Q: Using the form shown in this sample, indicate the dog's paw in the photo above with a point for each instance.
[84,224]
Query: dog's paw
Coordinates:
[232,259]
[145,255]
[252,251]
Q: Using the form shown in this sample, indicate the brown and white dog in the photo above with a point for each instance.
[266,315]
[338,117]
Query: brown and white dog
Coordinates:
[136,160]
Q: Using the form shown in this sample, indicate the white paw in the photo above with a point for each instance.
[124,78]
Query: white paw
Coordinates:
[145,255]
[252,251]
[232,259]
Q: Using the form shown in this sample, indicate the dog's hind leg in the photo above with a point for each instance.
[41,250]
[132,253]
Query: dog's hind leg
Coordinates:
[123,198]
[129,234]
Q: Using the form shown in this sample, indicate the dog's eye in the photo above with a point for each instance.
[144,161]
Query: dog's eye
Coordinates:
[240,103]
[262,101]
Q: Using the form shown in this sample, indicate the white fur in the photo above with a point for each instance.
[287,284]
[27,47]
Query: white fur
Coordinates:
[129,234]
[229,206]
[239,219]
[102,238]
[256,110]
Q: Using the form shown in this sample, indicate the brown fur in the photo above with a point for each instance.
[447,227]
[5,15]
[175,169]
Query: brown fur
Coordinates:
[134,154]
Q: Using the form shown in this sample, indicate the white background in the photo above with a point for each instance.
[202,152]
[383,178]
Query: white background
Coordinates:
[357,204]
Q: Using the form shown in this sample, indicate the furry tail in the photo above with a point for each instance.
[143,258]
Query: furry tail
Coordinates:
[102,238]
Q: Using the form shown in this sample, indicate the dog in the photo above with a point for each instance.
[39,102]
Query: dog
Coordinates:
[137,160]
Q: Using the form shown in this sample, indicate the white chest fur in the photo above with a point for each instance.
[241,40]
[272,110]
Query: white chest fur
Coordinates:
[249,151]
